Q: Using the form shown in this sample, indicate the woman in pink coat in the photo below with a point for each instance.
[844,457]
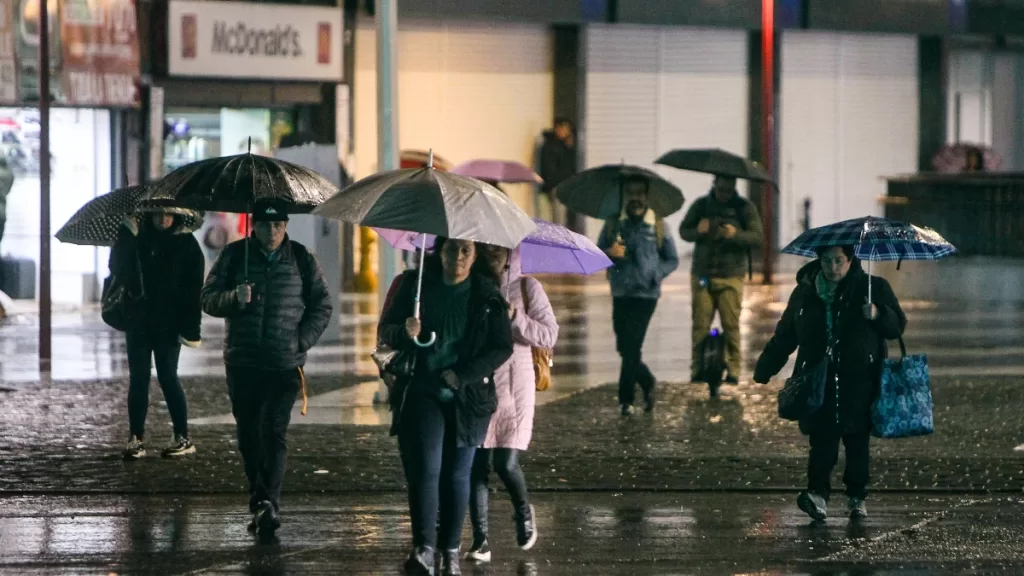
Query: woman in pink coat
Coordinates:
[533,325]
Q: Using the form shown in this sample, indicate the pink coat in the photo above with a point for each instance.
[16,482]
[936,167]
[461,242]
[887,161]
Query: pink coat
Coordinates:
[512,424]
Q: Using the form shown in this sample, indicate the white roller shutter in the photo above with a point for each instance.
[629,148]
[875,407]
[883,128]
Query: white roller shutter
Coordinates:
[467,90]
[652,89]
[849,117]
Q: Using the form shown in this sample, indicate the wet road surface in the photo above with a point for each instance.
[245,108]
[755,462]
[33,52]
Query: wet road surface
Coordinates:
[580,534]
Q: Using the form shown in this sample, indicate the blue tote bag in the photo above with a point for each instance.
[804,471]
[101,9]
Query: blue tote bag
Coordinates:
[904,405]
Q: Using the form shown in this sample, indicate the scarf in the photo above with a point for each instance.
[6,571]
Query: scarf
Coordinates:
[827,292]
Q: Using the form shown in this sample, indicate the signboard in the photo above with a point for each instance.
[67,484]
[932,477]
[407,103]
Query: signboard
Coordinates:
[239,40]
[732,13]
[94,52]
[899,16]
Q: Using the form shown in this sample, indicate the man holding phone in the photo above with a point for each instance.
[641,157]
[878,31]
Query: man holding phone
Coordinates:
[725,227]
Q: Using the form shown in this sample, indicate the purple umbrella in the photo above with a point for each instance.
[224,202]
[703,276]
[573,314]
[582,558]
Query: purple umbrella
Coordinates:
[498,171]
[550,249]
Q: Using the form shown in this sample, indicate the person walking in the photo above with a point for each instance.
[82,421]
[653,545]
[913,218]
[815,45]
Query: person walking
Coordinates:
[442,412]
[724,227]
[829,314]
[511,428]
[154,249]
[274,316]
[643,257]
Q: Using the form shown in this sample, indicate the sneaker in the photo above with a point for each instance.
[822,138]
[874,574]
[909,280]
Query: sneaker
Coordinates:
[480,552]
[526,530]
[420,561]
[813,505]
[135,449]
[448,563]
[858,510]
[265,521]
[626,410]
[732,380]
[180,447]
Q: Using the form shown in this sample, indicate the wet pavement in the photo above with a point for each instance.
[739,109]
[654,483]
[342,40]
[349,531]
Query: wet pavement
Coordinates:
[635,495]
[581,534]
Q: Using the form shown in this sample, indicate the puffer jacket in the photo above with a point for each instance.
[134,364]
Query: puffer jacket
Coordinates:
[650,256]
[287,314]
[486,345]
[861,347]
[172,276]
[515,382]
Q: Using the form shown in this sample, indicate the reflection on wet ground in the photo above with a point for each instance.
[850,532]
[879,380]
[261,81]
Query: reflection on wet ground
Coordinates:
[581,534]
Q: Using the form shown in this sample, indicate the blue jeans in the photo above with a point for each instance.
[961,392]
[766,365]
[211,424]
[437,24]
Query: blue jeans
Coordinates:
[436,470]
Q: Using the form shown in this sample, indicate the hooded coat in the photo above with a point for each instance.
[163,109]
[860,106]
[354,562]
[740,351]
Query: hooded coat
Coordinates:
[515,381]
[861,345]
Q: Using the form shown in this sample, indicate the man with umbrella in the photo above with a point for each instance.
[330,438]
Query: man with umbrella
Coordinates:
[277,306]
[725,227]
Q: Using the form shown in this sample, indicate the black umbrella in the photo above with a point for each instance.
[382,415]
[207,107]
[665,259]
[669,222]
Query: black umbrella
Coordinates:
[240,183]
[597,192]
[96,223]
[716,161]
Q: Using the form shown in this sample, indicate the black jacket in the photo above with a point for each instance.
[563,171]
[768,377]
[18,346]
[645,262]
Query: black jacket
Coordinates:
[172,276]
[557,162]
[487,345]
[287,314]
[861,347]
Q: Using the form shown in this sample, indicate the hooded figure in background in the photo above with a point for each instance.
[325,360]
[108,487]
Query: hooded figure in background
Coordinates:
[153,249]
[511,427]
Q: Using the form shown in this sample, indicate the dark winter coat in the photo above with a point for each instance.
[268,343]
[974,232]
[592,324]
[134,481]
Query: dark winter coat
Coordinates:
[861,345]
[716,257]
[557,162]
[486,345]
[287,314]
[172,276]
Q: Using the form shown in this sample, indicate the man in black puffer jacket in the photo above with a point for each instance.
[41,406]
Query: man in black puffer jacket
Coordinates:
[273,318]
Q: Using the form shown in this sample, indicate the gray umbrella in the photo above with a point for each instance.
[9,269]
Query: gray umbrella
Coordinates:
[429,201]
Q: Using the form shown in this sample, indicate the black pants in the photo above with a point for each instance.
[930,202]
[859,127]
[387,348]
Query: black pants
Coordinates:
[825,454]
[504,461]
[630,319]
[143,348]
[436,470]
[262,402]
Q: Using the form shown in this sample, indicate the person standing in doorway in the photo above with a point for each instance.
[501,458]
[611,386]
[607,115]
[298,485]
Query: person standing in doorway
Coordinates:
[725,227]
[558,163]
[155,250]
[642,258]
[6,183]
[274,316]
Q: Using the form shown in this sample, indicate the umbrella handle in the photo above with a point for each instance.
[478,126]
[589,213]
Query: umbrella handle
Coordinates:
[428,343]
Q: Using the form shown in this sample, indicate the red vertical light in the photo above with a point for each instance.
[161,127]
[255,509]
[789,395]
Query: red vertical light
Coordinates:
[768,131]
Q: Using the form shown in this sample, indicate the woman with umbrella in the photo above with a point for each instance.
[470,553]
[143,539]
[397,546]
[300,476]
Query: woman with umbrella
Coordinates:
[441,413]
[156,252]
[841,317]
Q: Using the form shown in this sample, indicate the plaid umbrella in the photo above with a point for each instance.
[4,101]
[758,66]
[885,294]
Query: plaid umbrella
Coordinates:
[874,239]
[96,223]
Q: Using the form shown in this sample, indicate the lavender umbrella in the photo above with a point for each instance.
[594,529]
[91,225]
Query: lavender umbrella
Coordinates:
[550,249]
[497,171]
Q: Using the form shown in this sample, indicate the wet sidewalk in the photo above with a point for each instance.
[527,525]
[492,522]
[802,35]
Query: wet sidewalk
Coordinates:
[581,534]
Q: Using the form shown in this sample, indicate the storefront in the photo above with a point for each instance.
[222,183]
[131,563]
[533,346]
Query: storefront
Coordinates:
[239,78]
[94,87]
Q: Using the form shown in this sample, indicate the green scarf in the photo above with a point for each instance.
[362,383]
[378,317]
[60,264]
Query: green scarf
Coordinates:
[827,293]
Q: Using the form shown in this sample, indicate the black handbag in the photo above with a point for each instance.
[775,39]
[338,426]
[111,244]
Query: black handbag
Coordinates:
[804,394]
[118,306]
[398,363]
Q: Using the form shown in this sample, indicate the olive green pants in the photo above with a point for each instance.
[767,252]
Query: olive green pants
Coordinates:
[726,296]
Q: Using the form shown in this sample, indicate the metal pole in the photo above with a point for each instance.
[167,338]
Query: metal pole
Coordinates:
[387,122]
[45,352]
[768,132]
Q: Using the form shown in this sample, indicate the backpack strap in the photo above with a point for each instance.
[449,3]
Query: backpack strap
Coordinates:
[302,258]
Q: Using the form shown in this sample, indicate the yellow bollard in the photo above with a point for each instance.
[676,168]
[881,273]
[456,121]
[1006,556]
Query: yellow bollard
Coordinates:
[366,280]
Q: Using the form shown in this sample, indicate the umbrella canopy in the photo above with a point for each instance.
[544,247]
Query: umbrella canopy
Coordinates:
[875,240]
[597,192]
[96,223]
[498,171]
[550,249]
[715,161]
[427,201]
[238,183]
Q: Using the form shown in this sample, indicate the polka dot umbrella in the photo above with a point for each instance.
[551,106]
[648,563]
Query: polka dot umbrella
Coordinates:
[96,223]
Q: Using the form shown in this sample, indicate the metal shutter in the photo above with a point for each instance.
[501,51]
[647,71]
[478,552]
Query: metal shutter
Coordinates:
[848,117]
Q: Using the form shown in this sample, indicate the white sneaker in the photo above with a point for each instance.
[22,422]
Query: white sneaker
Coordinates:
[135,449]
[1019,448]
